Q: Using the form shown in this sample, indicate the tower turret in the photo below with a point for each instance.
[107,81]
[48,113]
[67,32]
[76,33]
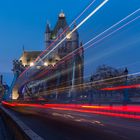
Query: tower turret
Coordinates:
[61,23]
[75,34]
[47,35]
[75,38]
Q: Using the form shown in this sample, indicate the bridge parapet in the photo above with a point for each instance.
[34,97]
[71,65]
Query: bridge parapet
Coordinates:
[19,130]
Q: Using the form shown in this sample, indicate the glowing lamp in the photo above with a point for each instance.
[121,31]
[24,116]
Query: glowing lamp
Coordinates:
[31,64]
[45,64]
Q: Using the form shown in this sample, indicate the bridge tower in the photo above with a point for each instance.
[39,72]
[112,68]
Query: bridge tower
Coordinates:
[18,68]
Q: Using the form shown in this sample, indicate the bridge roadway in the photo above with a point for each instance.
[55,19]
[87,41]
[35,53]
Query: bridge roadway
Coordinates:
[53,124]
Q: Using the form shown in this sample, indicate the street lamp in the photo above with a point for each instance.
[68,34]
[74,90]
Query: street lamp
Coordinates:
[45,64]
[31,64]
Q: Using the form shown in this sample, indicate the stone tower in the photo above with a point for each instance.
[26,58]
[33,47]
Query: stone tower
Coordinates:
[71,71]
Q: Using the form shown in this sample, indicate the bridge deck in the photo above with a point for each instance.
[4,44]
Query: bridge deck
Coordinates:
[66,125]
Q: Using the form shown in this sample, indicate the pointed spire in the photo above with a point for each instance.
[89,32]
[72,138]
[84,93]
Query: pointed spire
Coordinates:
[81,48]
[61,23]
[48,28]
[81,43]
[62,14]
[126,70]
[75,27]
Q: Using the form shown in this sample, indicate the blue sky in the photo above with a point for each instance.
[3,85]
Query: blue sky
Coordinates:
[23,23]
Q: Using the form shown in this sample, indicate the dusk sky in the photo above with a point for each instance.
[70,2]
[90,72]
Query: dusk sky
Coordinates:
[22,22]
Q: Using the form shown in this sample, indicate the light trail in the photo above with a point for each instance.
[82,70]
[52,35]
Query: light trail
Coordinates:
[111,27]
[113,32]
[106,35]
[98,41]
[138,10]
[132,74]
[62,83]
[106,29]
[66,29]
[94,83]
[106,113]
[122,111]
[77,86]
[121,87]
[103,37]
[119,28]
[85,76]
[39,57]
[91,45]
[80,24]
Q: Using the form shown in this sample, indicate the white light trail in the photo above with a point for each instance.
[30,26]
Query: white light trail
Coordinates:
[39,57]
[138,10]
[95,82]
[103,37]
[113,32]
[82,12]
[80,24]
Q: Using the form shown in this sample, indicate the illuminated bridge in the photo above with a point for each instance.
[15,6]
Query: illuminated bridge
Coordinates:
[51,96]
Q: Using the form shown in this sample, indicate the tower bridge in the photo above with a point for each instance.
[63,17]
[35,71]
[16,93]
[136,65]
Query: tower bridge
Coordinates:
[50,96]
[54,71]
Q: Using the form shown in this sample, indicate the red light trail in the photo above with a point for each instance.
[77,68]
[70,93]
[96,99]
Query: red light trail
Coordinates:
[121,87]
[129,111]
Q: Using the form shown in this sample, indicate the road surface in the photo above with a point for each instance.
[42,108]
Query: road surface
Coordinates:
[53,124]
